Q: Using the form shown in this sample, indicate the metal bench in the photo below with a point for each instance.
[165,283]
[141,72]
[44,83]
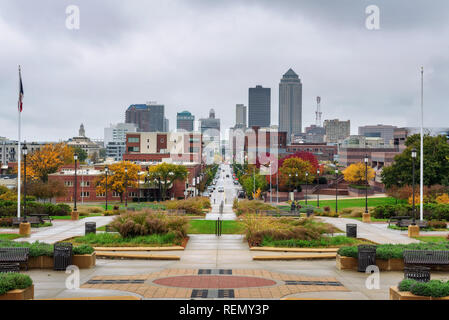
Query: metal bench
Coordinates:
[10,267]
[405,223]
[426,257]
[398,219]
[32,220]
[14,255]
[41,216]
[274,213]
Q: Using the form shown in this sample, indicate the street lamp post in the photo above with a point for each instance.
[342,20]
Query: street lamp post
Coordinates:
[126,187]
[336,190]
[25,152]
[318,182]
[254,181]
[307,175]
[106,170]
[271,198]
[75,186]
[413,179]
[366,181]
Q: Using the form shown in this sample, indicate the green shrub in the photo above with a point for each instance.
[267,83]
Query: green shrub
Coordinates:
[83,249]
[251,206]
[12,281]
[406,284]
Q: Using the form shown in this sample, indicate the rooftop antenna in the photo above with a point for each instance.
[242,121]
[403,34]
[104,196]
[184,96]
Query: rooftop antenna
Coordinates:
[318,112]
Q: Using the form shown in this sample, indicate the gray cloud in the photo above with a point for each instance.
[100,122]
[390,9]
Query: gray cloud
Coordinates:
[200,54]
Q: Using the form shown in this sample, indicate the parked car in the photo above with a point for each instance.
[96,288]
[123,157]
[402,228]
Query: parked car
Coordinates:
[241,194]
[206,194]
[220,189]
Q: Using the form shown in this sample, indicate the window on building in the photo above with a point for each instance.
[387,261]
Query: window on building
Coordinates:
[133,149]
[68,183]
[132,194]
[85,194]
[115,194]
[101,194]
[133,140]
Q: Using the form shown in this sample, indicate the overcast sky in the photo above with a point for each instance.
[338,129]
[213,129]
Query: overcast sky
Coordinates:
[198,54]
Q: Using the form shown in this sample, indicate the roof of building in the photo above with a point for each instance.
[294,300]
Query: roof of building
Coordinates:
[290,73]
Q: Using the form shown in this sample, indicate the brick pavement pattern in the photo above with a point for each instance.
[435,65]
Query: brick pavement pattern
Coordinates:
[272,284]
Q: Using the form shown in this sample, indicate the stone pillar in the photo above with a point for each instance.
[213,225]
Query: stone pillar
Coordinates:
[413,231]
[75,215]
[25,229]
[366,217]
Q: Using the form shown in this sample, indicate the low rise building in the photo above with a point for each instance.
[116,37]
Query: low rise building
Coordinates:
[322,151]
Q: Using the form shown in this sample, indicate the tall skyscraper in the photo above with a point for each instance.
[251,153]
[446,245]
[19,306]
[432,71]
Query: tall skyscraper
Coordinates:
[259,107]
[240,116]
[290,104]
[184,121]
[148,117]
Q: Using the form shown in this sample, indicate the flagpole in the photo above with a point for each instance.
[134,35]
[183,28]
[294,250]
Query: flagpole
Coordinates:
[19,169]
[421,173]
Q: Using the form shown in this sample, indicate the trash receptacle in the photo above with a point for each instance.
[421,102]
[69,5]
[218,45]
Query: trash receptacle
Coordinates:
[90,227]
[62,255]
[351,230]
[366,255]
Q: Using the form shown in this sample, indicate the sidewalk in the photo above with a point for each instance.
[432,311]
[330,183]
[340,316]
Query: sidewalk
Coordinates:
[62,230]
[374,232]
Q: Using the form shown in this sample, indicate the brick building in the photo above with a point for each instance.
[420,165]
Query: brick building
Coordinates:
[87,177]
[322,151]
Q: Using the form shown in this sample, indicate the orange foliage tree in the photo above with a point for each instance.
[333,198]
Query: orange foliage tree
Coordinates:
[47,160]
[118,179]
[355,173]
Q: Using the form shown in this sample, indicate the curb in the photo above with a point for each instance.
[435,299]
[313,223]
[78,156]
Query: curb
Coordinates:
[173,248]
[296,257]
[116,255]
[276,249]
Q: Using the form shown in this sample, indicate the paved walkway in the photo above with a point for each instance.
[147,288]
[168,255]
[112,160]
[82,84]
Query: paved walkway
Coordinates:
[375,232]
[64,229]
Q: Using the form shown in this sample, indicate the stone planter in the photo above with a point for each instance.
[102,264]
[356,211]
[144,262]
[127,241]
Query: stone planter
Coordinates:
[395,294]
[83,261]
[19,294]
[348,263]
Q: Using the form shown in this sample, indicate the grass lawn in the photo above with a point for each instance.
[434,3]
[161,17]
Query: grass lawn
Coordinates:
[348,203]
[208,227]
[9,236]
[326,242]
[432,238]
[116,240]
[395,227]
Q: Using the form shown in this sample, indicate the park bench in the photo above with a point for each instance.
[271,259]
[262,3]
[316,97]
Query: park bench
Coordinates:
[9,267]
[405,223]
[109,228]
[398,219]
[426,257]
[14,255]
[32,220]
[41,216]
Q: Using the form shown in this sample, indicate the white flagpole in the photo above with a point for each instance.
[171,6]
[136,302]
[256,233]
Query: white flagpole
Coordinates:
[19,170]
[421,173]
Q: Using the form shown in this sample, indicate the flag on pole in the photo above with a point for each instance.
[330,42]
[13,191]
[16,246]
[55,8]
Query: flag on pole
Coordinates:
[20,91]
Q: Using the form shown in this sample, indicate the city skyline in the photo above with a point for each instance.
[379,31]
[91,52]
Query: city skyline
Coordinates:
[79,80]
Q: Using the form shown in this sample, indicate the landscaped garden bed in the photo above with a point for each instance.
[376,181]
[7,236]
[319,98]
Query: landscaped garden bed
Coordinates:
[137,229]
[41,254]
[16,286]
[264,231]
[389,257]
[409,289]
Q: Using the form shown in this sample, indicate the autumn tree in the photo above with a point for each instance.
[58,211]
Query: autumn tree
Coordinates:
[121,176]
[47,160]
[294,171]
[355,173]
[166,174]
[46,190]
